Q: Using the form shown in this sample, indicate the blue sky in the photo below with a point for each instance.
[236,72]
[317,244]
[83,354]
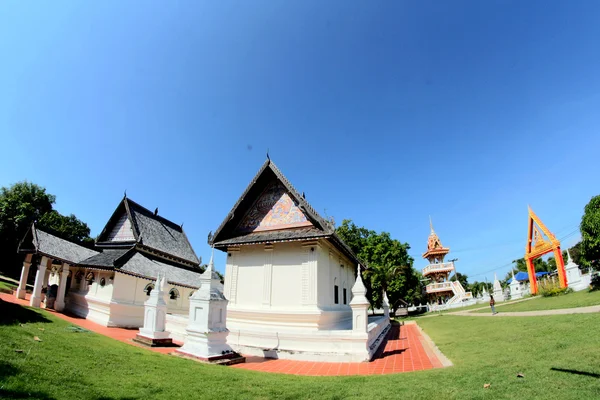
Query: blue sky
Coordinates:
[382,112]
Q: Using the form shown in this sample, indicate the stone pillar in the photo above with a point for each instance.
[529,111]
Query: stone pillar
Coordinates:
[207,330]
[82,282]
[40,275]
[359,305]
[153,332]
[59,305]
[385,304]
[22,289]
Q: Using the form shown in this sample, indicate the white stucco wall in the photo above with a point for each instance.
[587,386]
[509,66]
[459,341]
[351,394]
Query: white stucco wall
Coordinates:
[281,297]
[121,301]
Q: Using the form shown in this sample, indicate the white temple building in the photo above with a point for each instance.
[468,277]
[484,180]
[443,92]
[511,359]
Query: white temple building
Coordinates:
[110,283]
[289,279]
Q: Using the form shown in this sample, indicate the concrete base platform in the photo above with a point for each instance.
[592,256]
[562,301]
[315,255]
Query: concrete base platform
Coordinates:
[225,359]
[168,342]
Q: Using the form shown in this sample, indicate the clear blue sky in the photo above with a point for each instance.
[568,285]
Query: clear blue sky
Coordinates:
[382,112]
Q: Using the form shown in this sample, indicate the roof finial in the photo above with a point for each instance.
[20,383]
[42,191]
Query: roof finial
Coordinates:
[125,194]
[156,211]
[211,263]
[430,224]
[268,158]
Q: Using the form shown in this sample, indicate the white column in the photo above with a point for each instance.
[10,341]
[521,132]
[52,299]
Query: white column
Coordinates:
[308,274]
[234,273]
[22,289]
[268,275]
[40,275]
[59,305]
[82,281]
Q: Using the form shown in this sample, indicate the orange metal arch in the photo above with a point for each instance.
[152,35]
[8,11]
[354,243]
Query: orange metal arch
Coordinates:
[537,246]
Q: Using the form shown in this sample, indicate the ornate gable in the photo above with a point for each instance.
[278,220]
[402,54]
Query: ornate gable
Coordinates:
[540,239]
[122,231]
[274,209]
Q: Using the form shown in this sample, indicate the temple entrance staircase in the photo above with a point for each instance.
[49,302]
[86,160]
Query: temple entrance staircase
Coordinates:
[459,294]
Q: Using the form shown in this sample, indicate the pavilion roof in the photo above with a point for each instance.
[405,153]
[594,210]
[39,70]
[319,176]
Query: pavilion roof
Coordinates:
[229,232]
[150,230]
[44,243]
[144,265]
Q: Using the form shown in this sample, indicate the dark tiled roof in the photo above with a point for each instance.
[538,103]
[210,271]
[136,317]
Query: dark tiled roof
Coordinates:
[152,231]
[274,236]
[55,247]
[140,264]
[105,259]
[226,234]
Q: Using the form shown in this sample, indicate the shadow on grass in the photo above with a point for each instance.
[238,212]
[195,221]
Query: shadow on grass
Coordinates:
[11,314]
[17,394]
[6,370]
[117,398]
[575,372]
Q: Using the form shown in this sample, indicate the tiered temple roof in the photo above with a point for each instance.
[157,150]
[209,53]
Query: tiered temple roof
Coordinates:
[434,245]
[135,241]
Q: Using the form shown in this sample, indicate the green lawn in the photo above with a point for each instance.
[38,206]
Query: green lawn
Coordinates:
[7,286]
[558,356]
[571,300]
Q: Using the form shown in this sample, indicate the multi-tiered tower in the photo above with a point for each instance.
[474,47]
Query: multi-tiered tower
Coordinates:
[441,290]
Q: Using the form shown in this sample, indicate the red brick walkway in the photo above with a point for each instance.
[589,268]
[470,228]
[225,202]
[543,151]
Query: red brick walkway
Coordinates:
[405,351]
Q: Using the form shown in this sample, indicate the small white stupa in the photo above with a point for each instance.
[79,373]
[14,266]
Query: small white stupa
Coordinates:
[359,305]
[575,280]
[385,304]
[516,292]
[498,296]
[153,332]
[484,294]
[207,331]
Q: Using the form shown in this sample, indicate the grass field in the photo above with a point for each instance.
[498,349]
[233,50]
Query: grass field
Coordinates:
[571,300]
[558,356]
[7,286]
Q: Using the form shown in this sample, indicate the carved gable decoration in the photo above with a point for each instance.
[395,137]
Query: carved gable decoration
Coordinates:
[540,239]
[274,209]
[122,231]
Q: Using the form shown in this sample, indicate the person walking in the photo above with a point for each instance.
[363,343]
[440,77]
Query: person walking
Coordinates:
[492,304]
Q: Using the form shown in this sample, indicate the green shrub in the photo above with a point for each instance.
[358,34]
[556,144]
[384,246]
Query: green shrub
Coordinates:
[551,287]
[595,284]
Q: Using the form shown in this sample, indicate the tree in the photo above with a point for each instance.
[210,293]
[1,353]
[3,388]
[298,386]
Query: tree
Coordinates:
[463,279]
[20,205]
[388,265]
[590,234]
[66,227]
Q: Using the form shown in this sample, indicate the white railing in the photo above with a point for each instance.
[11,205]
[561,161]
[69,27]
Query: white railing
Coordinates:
[439,287]
[442,267]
